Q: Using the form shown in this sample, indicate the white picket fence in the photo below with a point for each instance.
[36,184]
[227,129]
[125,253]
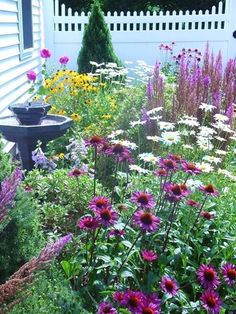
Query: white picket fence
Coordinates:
[137,36]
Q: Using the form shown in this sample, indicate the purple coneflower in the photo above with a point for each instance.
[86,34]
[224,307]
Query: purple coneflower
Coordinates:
[190,168]
[208,277]
[209,190]
[175,192]
[176,158]
[126,157]
[169,285]
[76,172]
[117,233]
[88,223]
[211,301]
[106,308]
[207,215]
[229,273]
[193,203]
[160,172]
[146,221]
[133,300]
[99,202]
[106,216]
[117,149]
[143,199]
[118,296]
[95,141]
[149,256]
[150,308]
[168,164]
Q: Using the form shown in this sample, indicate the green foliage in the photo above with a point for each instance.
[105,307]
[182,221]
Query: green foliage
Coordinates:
[21,238]
[61,198]
[5,166]
[50,293]
[97,44]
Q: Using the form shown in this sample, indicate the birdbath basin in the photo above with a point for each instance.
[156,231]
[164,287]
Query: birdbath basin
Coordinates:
[26,136]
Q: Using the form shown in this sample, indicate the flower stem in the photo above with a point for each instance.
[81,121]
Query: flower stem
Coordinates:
[199,212]
[169,228]
[95,170]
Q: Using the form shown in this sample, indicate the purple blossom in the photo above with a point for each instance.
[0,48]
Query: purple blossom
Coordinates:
[149,90]
[106,216]
[41,161]
[106,308]
[143,199]
[169,285]
[45,53]
[229,273]
[211,301]
[8,191]
[208,277]
[147,221]
[64,60]
[54,249]
[31,75]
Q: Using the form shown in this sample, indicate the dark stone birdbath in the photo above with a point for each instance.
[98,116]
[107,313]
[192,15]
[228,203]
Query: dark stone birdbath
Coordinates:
[26,136]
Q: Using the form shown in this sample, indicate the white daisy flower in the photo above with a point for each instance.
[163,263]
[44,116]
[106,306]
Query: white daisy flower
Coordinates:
[187,146]
[115,133]
[212,159]
[220,152]
[125,143]
[138,169]
[205,107]
[170,138]
[148,157]
[138,122]
[221,117]
[205,167]
[166,125]
[154,138]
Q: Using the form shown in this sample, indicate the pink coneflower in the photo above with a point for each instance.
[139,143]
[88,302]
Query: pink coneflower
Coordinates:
[118,296]
[211,302]
[169,285]
[76,172]
[88,223]
[126,157]
[175,192]
[106,308]
[31,75]
[106,216]
[95,141]
[133,300]
[209,190]
[150,308]
[193,203]
[168,164]
[64,60]
[190,168]
[176,158]
[160,172]
[99,202]
[143,199]
[149,256]
[208,277]
[146,221]
[45,53]
[207,215]
[116,233]
[229,273]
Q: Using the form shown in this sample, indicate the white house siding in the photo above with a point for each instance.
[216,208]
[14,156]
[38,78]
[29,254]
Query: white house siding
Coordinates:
[13,80]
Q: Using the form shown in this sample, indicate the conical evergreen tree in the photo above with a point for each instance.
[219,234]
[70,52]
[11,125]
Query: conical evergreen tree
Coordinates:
[96,44]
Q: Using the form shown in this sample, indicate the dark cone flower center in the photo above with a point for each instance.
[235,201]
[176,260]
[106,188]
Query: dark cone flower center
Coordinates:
[95,139]
[209,188]
[101,203]
[231,273]
[118,149]
[143,199]
[209,275]
[191,166]
[148,310]
[133,301]
[169,163]
[176,189]
[169,285]
[146,218]
[211,302]
[105,214]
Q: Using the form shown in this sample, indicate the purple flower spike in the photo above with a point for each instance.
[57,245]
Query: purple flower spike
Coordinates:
[143,199]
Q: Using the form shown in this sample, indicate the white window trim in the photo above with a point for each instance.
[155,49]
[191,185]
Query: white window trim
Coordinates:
[24,53]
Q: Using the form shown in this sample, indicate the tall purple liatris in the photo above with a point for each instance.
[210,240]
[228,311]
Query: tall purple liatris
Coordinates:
[8,191]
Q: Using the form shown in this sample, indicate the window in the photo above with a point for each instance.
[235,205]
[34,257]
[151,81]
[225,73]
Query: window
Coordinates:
[25,28]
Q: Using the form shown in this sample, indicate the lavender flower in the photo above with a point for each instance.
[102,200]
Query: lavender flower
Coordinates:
[41,161]
[8,191]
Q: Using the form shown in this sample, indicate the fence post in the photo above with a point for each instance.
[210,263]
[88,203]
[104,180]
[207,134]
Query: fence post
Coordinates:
[231,11]
[48,26]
